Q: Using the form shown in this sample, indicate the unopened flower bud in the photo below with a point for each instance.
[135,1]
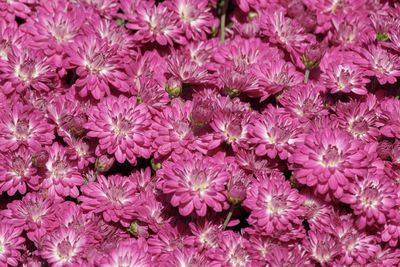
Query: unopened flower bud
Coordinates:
[155,165]
[295,8]
[76,124]
[173,87]
[252,14]
[237,193]
[138,229]
[312,55]
[40,158]
[104,163]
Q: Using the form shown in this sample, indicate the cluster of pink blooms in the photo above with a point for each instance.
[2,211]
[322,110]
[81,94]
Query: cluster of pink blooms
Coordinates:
[200,133]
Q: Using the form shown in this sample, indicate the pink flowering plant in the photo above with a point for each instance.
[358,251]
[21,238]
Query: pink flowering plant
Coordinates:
[200,133]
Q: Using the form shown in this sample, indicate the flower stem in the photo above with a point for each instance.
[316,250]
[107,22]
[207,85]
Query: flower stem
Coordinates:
[306,75]
[228,218]
[223,19]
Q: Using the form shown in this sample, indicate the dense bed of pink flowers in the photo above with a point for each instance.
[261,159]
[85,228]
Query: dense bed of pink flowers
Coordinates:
[219,133]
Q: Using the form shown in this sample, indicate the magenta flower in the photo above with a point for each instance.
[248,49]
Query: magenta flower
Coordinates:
[274,205]
[122,128]
[275,76]
[232,127]
[195,183]
[79,150]
[34,214]
[98,67]
[131,253]
[329,160]
[23,125]
[64,247]
[231,250]
[53,28]
[194,18]
[17,172]
[26,69]
[381,63]
[185,70]
[346,77]
[62,177]
[389,119]
[204,234]
[155,23]
[304,102]
[323,247]
[359,118]
[273,133]
[11,242]
[113,197]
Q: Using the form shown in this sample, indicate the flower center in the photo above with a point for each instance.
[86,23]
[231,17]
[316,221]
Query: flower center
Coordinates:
[5,49]
[65,250]
[235,129]
[117,194]
[122,126]
[59,168]
[277,204]
[97,63]
[19,166]
[22,129]
[360,127]
[322,251]
[199,181]
[27,70]
[370,196]
[181,128]
[331,157]
[279,134]
[344,79]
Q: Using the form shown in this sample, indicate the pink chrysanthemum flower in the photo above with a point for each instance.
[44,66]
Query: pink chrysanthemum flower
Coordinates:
[357,246]
[232,127]
[122,128]
[113,197]
[34,214]
[98,67]
[10,9]
[115,35]
[359,118]
[10,244]
[167,240]
[323,247]
[10,36]
[132,253]
[238,79]
[348,33]
[62,177]
[23,125]
[195,182]
[155,23]
[275,76]
[273,133]
[389,118]
[17,172]
[26,69]
[317,212]
[274,205]
[329,160]
[231,251]
[194,18]
[284,31]
[172,129]
[105,8]
[80,150]
[204,234]
[381,63]
[304,102]
[152,94]
[391,233]
[248,160]
[186,71]
[343,76]
[386,256]
[53,28]
[143,179]
[186,257]
[64,247]
[152,211]
[288,256]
